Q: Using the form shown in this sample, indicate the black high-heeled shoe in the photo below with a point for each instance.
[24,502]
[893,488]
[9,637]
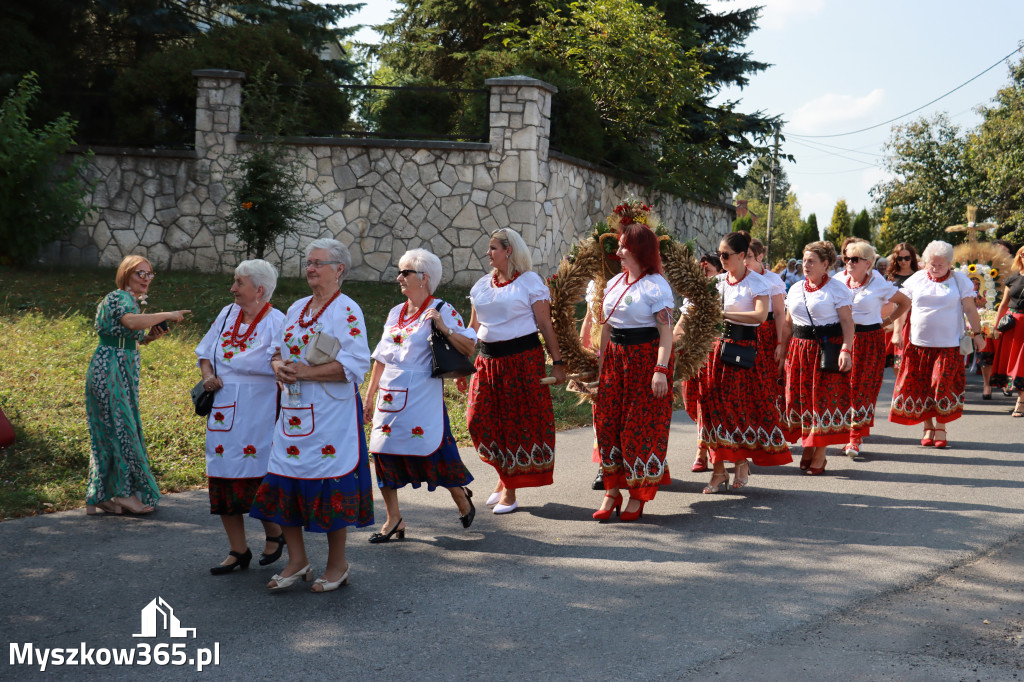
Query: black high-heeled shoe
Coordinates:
[241,563]
[467,518]
[267,559]
[379,537]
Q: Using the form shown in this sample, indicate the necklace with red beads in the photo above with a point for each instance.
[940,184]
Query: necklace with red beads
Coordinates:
[731,283]
[305,309]
[403,322]
[811,287]
[852,284]
[240,341]
[948,274]
[625,276]
[494,280]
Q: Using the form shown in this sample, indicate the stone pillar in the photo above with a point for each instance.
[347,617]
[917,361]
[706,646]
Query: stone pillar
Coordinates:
[218,111]
[520,123]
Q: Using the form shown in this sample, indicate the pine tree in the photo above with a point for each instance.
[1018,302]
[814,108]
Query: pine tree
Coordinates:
[862,226]
[810,233]
[839,228]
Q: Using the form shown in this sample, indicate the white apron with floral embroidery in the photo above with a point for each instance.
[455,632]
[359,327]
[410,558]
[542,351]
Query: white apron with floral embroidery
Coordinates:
[239,428]
[408,418]
[319,438]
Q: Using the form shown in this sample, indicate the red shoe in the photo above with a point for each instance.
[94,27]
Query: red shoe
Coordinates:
[700,464]
[926,441]
[940,442]
[816,471]
[633,516]
[605,514]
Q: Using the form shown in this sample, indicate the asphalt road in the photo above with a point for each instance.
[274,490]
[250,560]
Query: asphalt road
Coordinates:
[903,565]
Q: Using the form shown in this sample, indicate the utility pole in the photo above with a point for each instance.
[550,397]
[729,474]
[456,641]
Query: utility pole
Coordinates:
[771,204]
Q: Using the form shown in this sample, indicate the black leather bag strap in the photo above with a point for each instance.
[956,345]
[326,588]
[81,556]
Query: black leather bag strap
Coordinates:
[220,333]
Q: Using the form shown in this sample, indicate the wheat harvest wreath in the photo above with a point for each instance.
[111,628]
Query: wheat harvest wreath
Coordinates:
[594,260]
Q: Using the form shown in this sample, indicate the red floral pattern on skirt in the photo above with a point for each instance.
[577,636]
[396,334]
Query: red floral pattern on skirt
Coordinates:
[866,379]
[739,418]
[232,495]
[631,424]
[817,411]
[767,340]
[511,420]
[1008,363]
[930,384]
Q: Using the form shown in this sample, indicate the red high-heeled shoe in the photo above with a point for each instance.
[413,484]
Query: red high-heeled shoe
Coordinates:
[605,514]
[633,516]
[816,471]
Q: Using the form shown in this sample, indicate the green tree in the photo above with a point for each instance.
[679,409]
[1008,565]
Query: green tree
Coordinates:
[930,182]
[787,227]
[839,228]
[744,223]
[995,154]
[757,181]
[41,199]
[861,226]
[810,232]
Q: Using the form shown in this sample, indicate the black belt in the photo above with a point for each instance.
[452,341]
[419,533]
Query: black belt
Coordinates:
[771,316]
[737,332]
[501,349]
[824,331]
[858,328]
[634,336]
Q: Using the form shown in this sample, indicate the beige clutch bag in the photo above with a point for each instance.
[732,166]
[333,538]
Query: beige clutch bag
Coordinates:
[322,349]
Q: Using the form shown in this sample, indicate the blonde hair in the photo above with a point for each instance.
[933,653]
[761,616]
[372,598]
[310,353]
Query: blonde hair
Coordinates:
[519,261]
[127,267]
[1018,260]
[862,249]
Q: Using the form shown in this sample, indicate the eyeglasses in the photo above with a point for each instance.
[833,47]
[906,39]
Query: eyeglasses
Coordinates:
[145,275]
[321,263]
[903,259]
[854,259]
[722,255]
[406,273]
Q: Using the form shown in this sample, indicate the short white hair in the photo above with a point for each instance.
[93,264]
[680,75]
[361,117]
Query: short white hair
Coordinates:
[520,260]
[426,263]
[938,248]
[882,260]
[261,274]
[336,250]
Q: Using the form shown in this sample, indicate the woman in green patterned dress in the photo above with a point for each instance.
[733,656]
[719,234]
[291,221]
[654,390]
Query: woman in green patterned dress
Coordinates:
[119,472]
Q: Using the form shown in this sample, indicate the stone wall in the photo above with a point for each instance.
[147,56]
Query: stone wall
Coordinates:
[379,197]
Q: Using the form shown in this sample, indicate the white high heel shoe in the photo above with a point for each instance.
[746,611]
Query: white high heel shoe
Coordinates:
[281,583]
[328,586]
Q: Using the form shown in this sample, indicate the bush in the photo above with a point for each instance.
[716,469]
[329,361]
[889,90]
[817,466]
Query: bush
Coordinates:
[41,199]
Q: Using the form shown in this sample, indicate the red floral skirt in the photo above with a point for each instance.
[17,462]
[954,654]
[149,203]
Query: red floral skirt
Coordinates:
[892,353]
[930,384]
[229,496]
[817,411]
[691,397]
[632,425]
[1008,363]
[767,340]
[739,418]
[866,379]
[511,420]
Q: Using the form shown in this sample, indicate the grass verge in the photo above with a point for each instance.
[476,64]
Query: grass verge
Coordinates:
[46,332]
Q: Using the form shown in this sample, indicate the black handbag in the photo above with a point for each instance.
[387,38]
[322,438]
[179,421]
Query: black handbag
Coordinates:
[828,351]
[1006,323]
[446,362]
[737,355]
[201,398]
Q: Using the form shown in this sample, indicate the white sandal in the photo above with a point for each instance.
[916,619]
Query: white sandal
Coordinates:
[328,586]
[281,583]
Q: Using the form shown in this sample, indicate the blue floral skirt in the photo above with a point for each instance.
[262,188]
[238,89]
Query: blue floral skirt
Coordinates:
[443,468]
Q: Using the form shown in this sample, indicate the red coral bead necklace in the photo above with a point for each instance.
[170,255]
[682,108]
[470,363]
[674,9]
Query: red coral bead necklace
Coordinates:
[305,309]
[403,322]
[239,341]
[811,287]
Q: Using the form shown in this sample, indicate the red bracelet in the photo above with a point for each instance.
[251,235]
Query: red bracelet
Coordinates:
[844,350]
[662,370]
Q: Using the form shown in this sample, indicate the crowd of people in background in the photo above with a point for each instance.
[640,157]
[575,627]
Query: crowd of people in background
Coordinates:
[800,359]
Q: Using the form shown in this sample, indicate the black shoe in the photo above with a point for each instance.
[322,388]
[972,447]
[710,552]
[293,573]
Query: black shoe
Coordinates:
[378,538]
[467,518]
[267,559]
[599,481]
[241,562]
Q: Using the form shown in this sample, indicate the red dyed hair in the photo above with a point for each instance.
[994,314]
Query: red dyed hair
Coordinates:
[641,241]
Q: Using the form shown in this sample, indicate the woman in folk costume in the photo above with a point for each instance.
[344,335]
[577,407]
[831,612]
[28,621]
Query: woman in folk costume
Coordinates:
[930,384]
[634,404]
[318,477]
[1008,372]
[411,439]
[234,358]
[902,264]
[511,420]
[739,417]
[871,292]
[772,333]
[817,409]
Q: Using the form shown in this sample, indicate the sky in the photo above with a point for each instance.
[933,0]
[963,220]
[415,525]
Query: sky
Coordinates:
[842,65]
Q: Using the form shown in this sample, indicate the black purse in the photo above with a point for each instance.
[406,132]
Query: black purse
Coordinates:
[1006,323]
[201,398]
[737,355]
[828,351]
[446,362]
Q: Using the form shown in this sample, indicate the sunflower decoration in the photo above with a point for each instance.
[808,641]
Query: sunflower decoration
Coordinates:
[988,266]
[594,260]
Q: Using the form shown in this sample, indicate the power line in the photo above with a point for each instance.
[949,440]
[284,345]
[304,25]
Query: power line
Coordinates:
[825,152]
[891,120]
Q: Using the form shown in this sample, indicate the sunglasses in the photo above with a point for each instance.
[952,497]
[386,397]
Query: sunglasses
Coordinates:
[145,275]
[406,273]
[854,259]
[903,259]
[722,255]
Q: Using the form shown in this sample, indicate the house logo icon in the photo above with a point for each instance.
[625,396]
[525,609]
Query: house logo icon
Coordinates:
[158,615]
